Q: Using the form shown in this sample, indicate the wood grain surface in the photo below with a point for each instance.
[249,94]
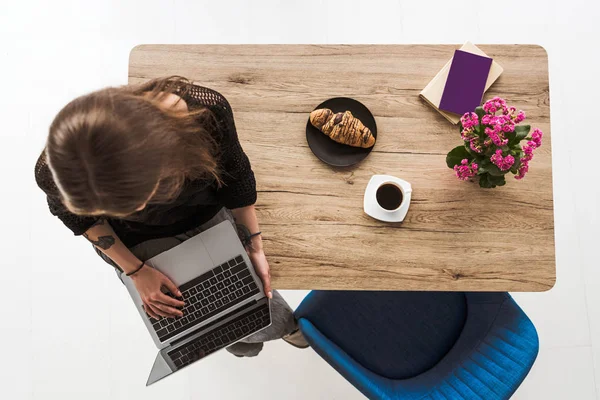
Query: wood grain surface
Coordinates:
[456,236]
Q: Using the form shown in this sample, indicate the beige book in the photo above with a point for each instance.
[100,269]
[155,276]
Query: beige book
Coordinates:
[434,90]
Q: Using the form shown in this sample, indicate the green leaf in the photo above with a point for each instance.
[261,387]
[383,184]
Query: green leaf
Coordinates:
[517,162]
[495,171]
[497,180]
[489,181]
[514,138]
[480,112]
[516,152]
[491,168]
[484,182]
[456,155]
[521,132]
[471,152]
[477,157]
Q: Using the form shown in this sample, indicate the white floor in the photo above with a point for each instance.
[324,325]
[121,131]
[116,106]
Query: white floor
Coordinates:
[68,330]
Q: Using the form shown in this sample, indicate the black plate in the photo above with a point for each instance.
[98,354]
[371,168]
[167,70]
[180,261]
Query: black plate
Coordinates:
[334,153]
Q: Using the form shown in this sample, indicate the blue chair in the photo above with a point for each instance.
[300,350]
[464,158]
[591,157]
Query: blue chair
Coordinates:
[422,345]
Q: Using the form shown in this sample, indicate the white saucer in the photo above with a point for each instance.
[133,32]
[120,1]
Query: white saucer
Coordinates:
[373,209]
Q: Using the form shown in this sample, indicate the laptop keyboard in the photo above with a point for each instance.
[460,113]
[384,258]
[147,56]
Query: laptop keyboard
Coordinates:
[223,336]
[208,295]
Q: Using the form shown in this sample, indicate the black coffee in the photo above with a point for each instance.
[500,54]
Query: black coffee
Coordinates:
[389,196]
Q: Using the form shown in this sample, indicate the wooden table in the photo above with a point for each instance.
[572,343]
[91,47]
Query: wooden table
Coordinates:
[456,236]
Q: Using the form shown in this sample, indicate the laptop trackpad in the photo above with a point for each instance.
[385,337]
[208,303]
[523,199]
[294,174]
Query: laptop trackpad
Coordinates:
[184,262]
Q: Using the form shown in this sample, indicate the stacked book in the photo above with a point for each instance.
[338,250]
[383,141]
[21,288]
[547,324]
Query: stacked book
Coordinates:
[459,87]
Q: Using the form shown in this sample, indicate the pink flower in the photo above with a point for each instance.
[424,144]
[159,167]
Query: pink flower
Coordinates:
[536,137]
[502,119]
[497,124]
[464,171]
[475,145]
[504,163]
[469,120]
[508,127]
[528,150]
[495,104]
[467,134]
[497,158]
[499,120]
[496,136]
[509,161]
[510,113]
[522,171]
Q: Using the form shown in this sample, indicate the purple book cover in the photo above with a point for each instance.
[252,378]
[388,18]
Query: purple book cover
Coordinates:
[466,82]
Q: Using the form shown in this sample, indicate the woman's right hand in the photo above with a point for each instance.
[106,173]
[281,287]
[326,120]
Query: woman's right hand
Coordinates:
[148,282]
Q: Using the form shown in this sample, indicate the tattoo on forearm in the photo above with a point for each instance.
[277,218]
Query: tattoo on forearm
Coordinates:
[103,242]
[243,232]
[244,235]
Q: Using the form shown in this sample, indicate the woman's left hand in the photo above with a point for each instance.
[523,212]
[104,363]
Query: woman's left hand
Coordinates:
[261,266]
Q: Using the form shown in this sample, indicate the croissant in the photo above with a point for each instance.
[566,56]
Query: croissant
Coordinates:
[342,127]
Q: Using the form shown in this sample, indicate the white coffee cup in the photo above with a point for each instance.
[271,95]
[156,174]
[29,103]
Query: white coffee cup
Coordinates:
[389,196]
[384,208]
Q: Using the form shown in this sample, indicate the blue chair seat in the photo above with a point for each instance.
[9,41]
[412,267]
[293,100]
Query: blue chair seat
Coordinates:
[411,345]
[377,334]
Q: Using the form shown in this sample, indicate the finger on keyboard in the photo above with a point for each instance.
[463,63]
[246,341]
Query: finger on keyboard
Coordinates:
[163,298]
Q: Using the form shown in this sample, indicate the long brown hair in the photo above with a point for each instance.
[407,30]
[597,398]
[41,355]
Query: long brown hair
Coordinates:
[115,149]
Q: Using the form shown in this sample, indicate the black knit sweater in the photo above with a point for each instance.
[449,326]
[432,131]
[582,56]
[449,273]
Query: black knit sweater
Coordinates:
[199,200]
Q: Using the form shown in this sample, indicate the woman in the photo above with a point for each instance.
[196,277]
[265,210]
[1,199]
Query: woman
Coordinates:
[137,170]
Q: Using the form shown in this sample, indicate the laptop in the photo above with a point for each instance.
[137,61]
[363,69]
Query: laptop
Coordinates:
[224,299]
